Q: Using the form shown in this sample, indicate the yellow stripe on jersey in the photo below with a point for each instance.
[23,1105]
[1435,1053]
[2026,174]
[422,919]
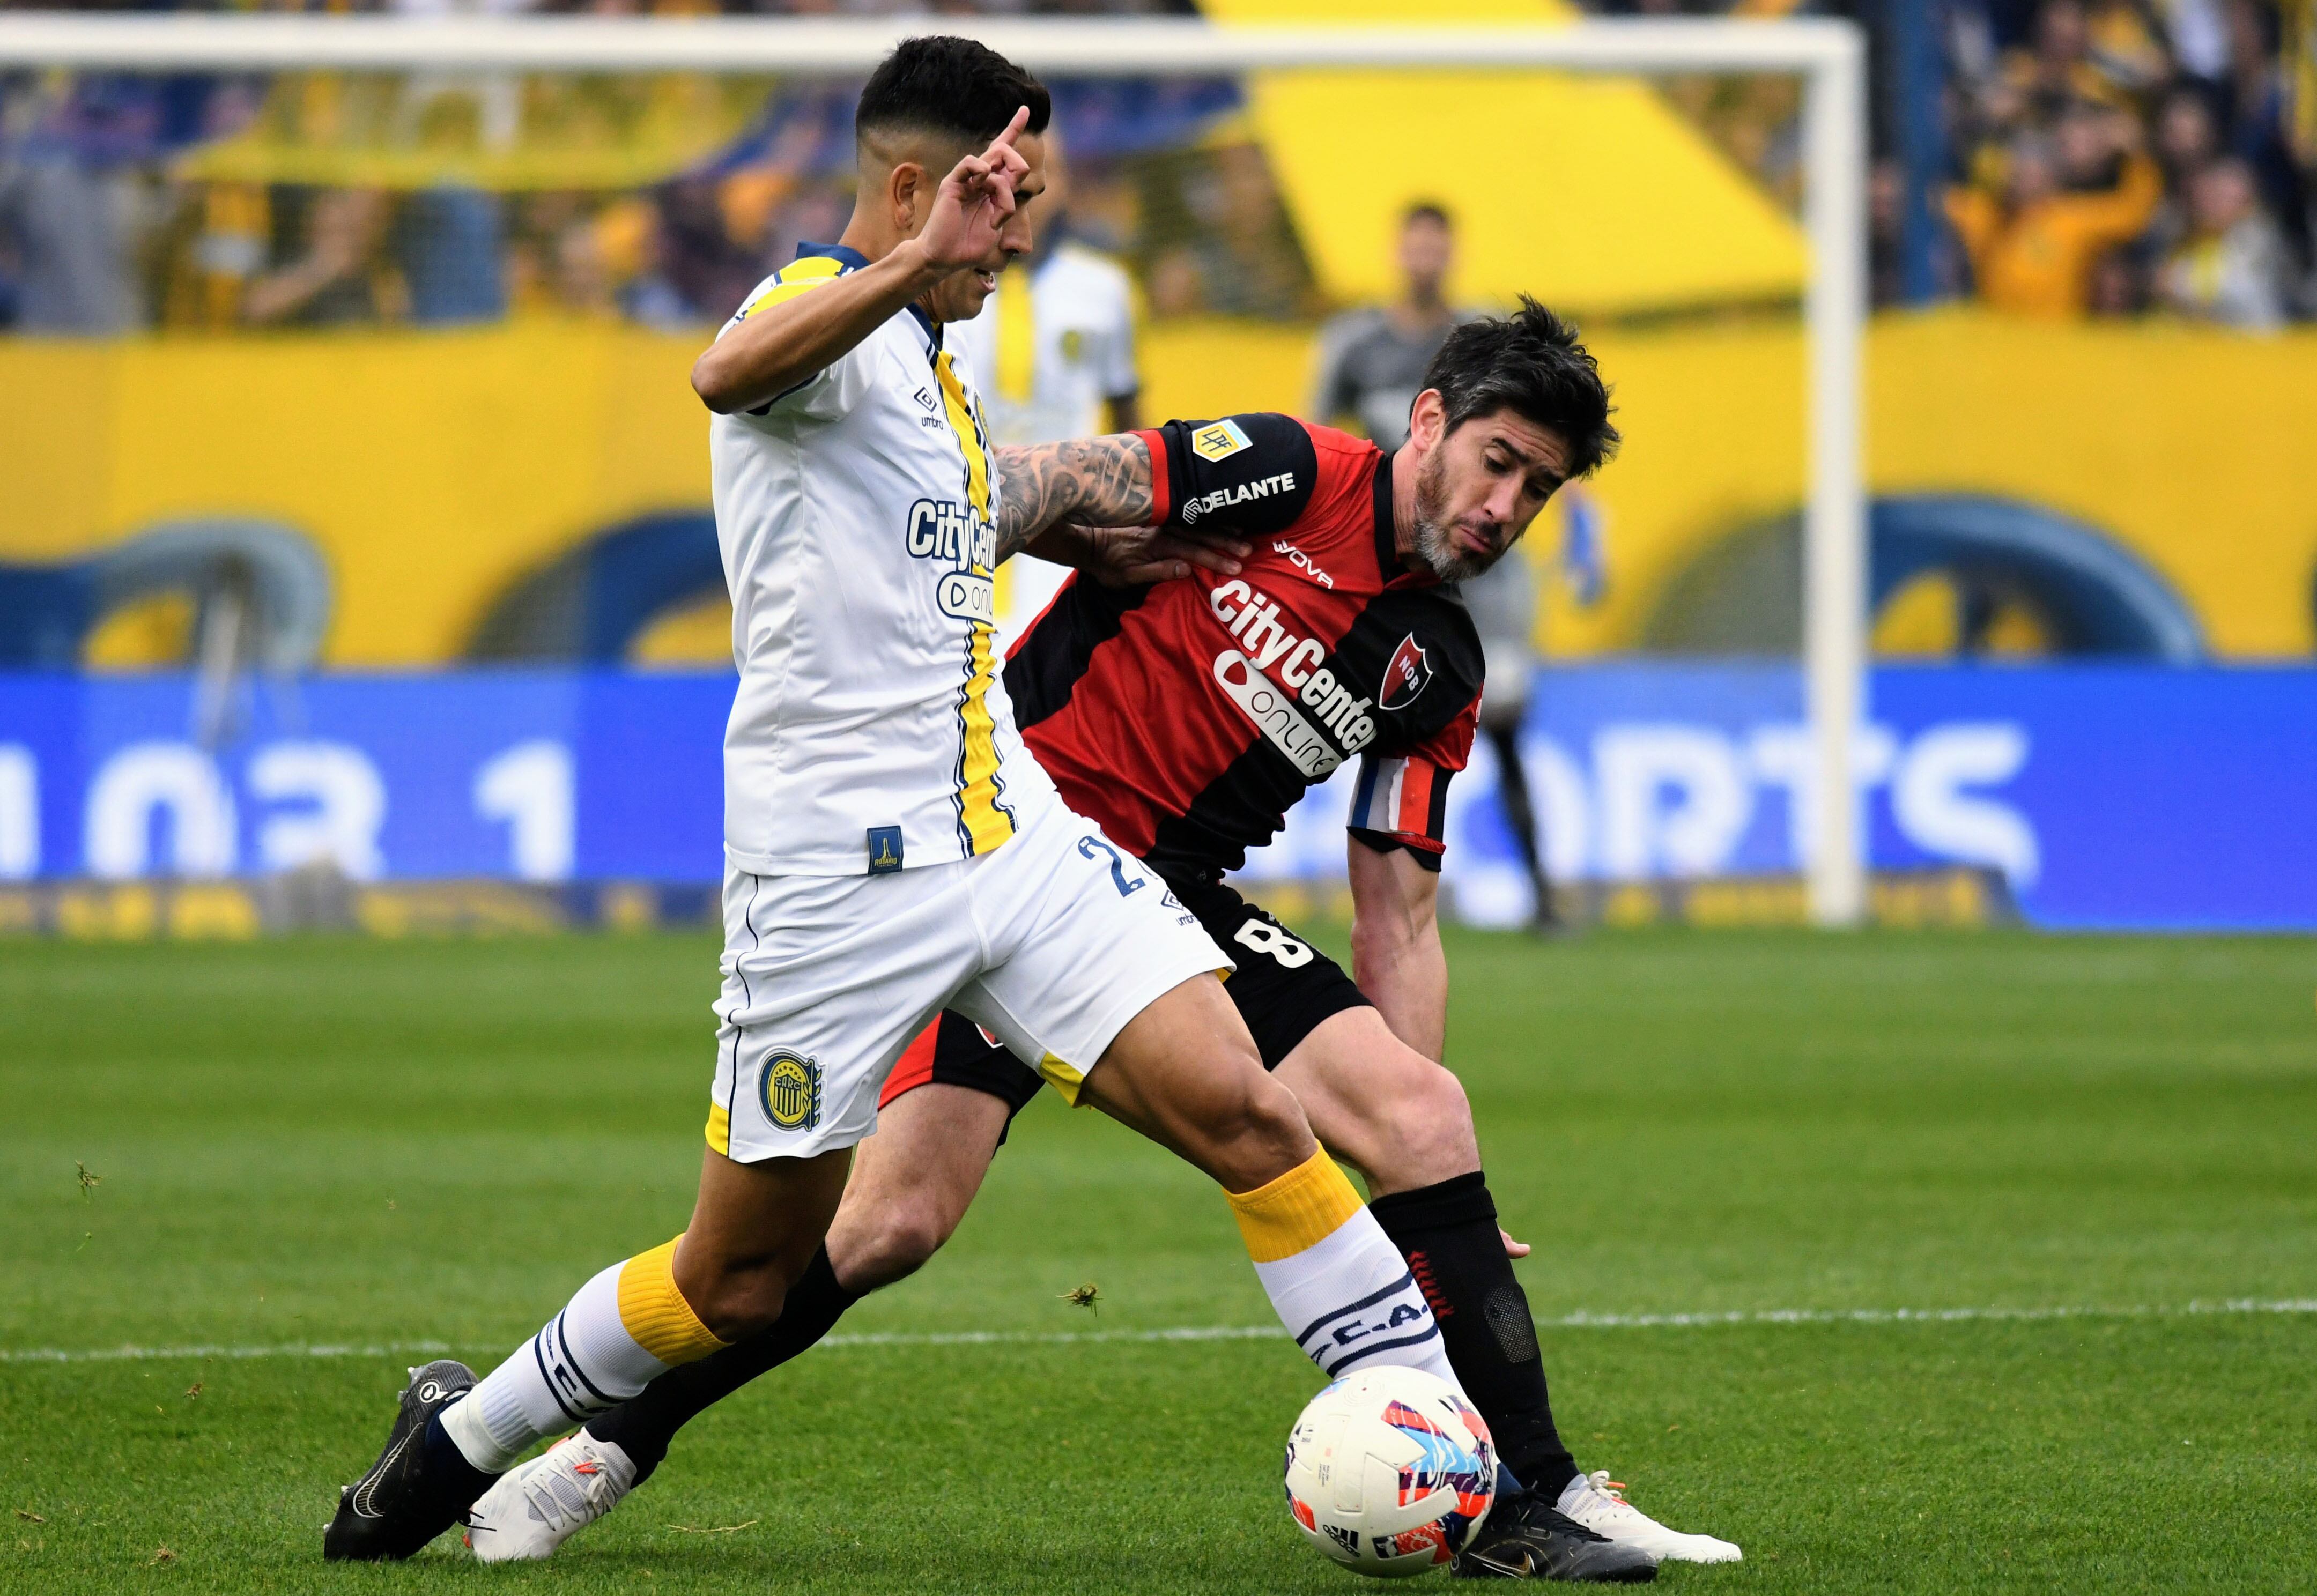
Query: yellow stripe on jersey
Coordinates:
[1017,335]
[795,278]
[985,824]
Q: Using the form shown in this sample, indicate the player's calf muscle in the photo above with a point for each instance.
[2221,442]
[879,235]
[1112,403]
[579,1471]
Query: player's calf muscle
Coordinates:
[753,1231]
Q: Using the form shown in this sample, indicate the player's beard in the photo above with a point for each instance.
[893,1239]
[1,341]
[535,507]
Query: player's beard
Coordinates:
[1436,548]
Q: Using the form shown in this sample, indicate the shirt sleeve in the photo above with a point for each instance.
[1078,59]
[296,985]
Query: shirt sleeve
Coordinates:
[1254,473]
[1402,799]
[837,387]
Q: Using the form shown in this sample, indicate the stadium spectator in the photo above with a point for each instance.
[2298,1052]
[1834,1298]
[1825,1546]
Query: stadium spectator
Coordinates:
[69,228]
[341,278]
[2032,251]
[2231,268]
[448,243]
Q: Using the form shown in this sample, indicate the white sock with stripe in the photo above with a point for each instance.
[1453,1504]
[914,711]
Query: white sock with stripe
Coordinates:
[624,1329]
[1334,1277]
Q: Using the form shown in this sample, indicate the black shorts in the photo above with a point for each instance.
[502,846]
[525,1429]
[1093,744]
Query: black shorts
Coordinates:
[1284,987]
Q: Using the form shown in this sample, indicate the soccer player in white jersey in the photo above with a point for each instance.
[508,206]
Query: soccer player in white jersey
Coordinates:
[1053,355]
[891,848]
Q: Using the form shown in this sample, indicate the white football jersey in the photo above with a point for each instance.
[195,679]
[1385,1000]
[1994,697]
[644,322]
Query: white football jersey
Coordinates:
[1053,346]
[856,516]
[1047,372]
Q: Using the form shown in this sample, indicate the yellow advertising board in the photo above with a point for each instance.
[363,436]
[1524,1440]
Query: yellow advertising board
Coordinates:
[433,471]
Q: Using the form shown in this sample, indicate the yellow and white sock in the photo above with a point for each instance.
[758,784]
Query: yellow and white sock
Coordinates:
[625,1328]
[1336,1280]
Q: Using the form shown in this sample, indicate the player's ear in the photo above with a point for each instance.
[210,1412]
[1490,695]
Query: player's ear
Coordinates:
[909,195]
[1427,421]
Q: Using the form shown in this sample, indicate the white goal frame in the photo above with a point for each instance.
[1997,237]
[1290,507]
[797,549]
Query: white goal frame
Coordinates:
[1828,54]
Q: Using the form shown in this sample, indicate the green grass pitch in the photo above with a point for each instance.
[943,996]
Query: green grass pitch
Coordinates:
[336,1143]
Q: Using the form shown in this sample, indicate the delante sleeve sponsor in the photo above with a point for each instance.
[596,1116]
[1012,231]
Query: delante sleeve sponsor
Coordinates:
[1253,473]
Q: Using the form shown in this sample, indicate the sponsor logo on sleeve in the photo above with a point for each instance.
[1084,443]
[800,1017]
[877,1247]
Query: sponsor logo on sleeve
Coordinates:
[1223,498]
[1218,440]
[1405,677]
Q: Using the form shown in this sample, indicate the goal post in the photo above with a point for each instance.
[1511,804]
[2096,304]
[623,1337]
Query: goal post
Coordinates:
[1828,55]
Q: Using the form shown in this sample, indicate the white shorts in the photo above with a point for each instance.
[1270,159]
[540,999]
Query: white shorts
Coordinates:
[1052,944]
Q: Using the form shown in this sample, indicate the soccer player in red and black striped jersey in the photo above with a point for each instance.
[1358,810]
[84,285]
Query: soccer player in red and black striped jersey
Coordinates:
[1185,719]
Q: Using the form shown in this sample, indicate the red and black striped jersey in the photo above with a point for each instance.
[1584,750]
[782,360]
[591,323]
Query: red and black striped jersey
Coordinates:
[1185,719]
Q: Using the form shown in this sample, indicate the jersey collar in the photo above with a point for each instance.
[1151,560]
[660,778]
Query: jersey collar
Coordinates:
[853,260]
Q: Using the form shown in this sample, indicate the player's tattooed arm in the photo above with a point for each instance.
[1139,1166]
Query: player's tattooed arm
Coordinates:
[1103,482]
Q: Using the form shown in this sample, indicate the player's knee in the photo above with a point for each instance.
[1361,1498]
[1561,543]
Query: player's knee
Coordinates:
[1263,1135]
[893,1246]
[1423,1132]
[736,1300]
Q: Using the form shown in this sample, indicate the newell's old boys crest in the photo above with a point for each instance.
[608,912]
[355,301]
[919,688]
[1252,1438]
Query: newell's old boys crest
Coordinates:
[792,1089]
[1408,675]
[1218,440]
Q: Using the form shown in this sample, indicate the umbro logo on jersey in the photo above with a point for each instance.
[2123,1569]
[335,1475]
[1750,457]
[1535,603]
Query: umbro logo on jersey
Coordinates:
[1405,677]
[1223,498]
[925,397]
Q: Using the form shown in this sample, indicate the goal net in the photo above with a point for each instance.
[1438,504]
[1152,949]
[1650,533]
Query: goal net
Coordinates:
[335,347]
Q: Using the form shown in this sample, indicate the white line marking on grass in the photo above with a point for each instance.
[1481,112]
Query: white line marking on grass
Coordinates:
[132,1354]
[1200,1332]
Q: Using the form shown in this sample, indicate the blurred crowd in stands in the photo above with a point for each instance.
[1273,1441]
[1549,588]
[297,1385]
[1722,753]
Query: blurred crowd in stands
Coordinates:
[2114,157]
[2102,157]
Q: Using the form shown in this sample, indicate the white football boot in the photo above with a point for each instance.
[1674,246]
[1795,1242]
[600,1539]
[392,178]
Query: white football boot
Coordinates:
[1594,1501]
[537,1506]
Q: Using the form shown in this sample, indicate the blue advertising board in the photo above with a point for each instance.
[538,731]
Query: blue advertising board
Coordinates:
[2108,796]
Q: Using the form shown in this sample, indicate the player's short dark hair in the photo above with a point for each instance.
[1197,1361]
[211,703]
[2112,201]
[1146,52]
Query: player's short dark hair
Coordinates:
[958,88]
[1428,210]
[1530,364]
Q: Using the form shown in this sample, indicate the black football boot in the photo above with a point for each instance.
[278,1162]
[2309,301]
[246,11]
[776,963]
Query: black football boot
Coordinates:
[1524,1538]
[395,1509]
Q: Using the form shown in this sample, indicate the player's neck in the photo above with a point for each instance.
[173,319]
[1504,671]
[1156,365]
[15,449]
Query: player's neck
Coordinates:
[873,237]
[1404,504]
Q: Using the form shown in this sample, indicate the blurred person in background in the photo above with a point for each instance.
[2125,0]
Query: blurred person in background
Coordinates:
[1054,356]
[448,242]
[2259,112]
[341,278]
[70,209]
[2032,250]
[1372,364]
[698,257]
[2232,266]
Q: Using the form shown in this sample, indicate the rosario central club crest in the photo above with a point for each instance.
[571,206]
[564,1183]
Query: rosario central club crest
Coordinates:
[1408,675]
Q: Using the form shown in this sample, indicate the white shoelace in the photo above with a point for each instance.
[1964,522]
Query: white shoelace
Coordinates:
[1598,1484]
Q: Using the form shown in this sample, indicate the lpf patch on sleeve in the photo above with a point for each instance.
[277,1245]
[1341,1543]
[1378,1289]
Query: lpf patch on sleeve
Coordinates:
[1218,441]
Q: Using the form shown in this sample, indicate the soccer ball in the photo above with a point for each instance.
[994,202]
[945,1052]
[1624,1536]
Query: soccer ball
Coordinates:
[1390,1472]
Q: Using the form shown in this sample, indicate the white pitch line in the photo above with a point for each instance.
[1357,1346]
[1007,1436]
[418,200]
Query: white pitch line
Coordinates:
[1199,1333]
[134,1354]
